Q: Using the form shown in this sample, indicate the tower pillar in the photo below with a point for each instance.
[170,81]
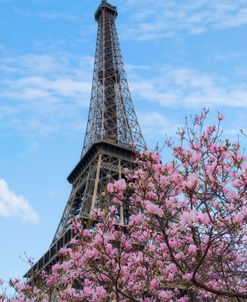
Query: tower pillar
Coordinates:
[112,139]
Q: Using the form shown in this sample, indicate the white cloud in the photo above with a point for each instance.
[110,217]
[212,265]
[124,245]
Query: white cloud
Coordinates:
[157,125]
[32,148]
[12,205]
[56,15]
[45,93]
[158,18]
[189,88]
[51,15]
[49,94]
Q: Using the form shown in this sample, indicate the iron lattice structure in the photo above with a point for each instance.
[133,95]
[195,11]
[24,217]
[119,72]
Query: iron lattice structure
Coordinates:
[112,115]
[112,138]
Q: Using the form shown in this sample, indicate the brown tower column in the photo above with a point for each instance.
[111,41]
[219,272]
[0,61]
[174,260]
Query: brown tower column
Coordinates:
[112,138]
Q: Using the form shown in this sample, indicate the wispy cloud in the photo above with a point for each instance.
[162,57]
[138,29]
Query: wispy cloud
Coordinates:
[189,88]
[13,205]
[32,148]
[56,15]
[44,94]
[49,93]
[156,18]
[51,15]
[155,124]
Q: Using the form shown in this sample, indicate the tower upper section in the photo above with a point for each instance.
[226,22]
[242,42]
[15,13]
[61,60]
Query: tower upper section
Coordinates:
[112,116]
[105,6]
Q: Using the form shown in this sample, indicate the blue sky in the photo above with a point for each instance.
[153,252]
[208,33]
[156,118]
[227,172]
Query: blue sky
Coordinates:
[180,56]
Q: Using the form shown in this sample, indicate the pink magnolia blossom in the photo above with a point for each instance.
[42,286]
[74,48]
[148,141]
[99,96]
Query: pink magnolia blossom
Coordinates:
[120,184]
[154,209]
[110,188]
[203,218]
[188,218]
[186,232]
[192,249]
[220,116]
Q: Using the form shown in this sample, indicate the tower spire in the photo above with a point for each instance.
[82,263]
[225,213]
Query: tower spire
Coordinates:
[112,115]
[112,138]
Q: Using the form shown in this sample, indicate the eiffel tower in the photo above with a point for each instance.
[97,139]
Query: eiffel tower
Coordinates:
[112,138]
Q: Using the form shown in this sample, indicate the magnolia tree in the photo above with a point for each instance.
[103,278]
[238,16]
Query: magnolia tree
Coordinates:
[186,235]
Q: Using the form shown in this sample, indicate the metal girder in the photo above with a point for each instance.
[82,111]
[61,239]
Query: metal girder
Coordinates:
[92,176]
[112,115]
[113,136]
